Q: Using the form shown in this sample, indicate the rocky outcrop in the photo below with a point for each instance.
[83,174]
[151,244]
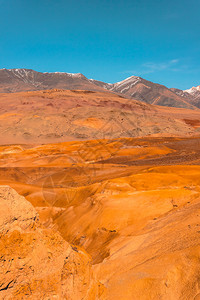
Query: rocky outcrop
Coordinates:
[36,263]
[16,212]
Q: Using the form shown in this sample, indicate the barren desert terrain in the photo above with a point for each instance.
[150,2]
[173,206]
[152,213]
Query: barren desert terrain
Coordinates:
[110,219]
[99,150]
[67,115]
[99,198]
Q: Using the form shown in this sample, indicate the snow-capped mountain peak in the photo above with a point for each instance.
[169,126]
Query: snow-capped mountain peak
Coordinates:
[77,75]
[193,90]
[133,79]
[126,84]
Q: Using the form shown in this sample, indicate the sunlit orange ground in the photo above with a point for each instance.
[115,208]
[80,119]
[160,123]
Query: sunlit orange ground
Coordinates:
[132,204]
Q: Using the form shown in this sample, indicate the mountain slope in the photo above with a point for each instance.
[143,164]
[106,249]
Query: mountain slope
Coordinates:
[149,92]
[18,80]
[192,95]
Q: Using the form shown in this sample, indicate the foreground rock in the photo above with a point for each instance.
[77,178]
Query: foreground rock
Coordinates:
[37,263]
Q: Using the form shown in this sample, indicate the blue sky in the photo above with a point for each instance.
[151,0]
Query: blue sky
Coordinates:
[158,40]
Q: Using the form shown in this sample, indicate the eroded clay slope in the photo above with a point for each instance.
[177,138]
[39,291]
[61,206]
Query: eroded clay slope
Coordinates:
[132,204]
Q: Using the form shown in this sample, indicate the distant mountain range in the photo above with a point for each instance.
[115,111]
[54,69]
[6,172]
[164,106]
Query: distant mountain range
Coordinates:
[18,80]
